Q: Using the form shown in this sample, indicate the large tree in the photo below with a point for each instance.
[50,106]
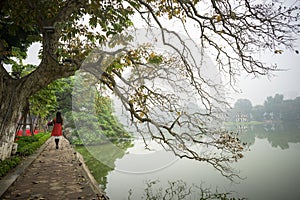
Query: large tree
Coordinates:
[232,32]
[242,108]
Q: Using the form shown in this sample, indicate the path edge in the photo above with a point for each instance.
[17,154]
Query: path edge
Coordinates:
[11,177]
[88,175]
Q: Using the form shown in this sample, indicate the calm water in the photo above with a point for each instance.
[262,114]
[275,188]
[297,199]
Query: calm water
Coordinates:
[271,169]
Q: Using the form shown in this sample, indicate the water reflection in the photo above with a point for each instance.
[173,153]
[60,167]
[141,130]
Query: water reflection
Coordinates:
[180,190]
[271,167]
[98,168]
[277,134]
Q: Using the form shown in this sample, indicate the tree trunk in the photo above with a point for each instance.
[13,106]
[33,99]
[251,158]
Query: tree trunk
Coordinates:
[24,123]
[11,102]
[27,120]
[31,125]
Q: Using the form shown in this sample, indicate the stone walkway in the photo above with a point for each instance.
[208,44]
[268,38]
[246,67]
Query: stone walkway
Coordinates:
[55,174]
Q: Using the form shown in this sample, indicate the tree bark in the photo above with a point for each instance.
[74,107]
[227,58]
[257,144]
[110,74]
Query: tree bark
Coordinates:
[24,118]
[11,102]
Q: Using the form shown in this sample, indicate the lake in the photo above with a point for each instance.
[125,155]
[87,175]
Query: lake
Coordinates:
[269,170]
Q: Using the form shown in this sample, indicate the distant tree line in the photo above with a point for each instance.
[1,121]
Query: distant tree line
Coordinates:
[274,109]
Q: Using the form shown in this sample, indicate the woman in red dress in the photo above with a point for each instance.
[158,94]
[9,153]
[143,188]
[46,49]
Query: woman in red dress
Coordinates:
[57,128]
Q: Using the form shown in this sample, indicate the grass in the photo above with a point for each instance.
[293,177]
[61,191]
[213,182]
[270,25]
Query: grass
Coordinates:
[27,145]
[8,164]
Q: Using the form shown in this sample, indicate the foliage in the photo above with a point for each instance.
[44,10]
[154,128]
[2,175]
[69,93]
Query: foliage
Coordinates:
[107,120]
[64,95]
[8,164]
[274,109]
[16,36]
[28,145]
[89,128]
[24,29]
[44,101]
[243,105]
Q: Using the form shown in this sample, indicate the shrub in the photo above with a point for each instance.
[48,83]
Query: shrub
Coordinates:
[8,164]
[27,145]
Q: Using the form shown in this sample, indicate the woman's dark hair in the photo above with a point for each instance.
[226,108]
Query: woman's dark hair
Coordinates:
[59,118]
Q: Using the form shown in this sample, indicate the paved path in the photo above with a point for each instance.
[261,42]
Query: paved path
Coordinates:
[55,174]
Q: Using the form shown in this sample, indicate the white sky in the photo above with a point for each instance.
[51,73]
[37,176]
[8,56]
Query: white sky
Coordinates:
[283,82]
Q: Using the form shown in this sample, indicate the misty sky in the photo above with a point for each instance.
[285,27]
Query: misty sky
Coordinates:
[256,89]
[283,82]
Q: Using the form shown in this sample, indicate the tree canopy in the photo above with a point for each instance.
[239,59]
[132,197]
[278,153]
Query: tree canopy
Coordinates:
[231,32]
[275,109]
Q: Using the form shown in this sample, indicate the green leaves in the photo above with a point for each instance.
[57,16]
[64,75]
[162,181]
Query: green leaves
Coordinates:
[28,145]
[44,102]
[108,122]
[8,164]
[155,59]
[18,28]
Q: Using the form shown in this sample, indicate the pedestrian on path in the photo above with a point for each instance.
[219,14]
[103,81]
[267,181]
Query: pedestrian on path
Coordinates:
[57,128]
